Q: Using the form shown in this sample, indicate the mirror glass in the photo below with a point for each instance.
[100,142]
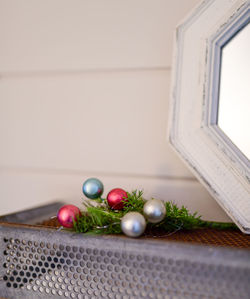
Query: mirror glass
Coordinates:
[234,94]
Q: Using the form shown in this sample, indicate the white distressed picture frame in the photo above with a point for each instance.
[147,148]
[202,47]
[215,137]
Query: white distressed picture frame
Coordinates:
[193,132]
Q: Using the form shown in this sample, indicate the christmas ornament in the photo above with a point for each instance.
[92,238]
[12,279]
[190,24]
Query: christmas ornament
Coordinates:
[92,188]
[133,224]
[99,218]
[67,214]
[154,210]
[116,197]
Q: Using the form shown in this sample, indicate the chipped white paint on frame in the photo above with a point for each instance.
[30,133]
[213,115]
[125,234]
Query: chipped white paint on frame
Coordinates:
[195,140]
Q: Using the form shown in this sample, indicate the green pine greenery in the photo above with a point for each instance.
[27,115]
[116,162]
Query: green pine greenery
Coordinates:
[101,219]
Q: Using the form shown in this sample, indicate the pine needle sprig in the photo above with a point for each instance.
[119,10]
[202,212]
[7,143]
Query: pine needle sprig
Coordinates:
[134,202]
[217,225]
[98,219]
[101,219]
[176,218]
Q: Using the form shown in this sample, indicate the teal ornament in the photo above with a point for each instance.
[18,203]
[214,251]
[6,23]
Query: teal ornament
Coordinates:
[92,188]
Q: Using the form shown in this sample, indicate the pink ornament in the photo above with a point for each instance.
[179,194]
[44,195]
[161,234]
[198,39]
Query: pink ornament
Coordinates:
[115,198]
[66,214]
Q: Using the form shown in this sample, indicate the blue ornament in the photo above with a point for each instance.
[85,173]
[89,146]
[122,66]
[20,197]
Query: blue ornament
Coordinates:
[92,188]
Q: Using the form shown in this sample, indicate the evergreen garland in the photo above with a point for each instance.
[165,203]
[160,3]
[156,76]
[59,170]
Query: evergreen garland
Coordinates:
[101,219]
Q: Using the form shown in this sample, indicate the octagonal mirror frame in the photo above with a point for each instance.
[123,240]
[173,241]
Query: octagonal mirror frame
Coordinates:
[193,130]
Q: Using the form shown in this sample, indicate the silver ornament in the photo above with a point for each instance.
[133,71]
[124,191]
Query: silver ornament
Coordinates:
[154,210]
[133,224]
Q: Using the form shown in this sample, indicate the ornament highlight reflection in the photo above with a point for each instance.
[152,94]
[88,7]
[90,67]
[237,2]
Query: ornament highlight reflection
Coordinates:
[154,210]
[133,224]
[67,214]
[92,188]
[116,197]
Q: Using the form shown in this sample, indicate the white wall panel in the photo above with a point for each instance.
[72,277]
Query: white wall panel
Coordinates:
[84,88]
[33,188]
[103,122]
[85,34]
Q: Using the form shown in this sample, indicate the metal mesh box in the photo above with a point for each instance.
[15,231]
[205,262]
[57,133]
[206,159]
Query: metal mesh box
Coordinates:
[40,262]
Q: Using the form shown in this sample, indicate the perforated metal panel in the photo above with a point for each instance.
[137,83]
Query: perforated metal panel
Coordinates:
[46,263]
[37,262]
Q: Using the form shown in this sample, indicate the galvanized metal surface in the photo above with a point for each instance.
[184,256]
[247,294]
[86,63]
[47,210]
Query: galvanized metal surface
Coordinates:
[33,216]
[46,263]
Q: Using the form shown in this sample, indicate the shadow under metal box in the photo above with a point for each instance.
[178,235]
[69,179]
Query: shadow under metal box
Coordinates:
[41,262]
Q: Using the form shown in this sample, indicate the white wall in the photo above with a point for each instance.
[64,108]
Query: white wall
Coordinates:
[84,90]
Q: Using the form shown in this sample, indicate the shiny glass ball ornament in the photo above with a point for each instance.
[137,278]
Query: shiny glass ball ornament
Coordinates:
[154,210]
[67,214]
[92,188]
[133,224]
[116,197]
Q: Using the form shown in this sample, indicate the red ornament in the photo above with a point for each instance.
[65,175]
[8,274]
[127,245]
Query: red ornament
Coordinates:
[66,214]
[115,198]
